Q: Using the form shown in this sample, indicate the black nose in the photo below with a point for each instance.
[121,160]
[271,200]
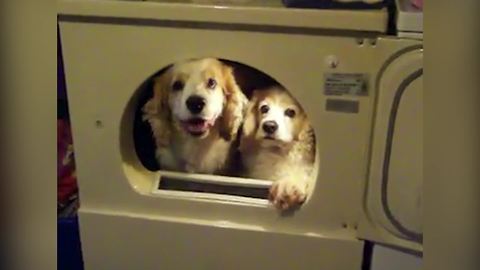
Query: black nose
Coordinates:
[270,127]
[195,104]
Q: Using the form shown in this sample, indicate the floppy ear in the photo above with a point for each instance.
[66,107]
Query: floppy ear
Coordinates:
[250,124]
[307,138]
[157,112]
[235,105]
[250,121]
[306,132]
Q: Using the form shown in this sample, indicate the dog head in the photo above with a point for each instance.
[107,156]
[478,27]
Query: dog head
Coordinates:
[274,118]
[195,97]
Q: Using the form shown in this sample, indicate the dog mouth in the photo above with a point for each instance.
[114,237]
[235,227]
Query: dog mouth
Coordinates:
[197,126]
[269,137]
[272,140]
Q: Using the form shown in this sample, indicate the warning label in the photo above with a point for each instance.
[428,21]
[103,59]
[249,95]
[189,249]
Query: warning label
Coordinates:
[338,84]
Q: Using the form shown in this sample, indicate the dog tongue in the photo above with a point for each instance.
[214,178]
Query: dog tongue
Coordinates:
[197,125]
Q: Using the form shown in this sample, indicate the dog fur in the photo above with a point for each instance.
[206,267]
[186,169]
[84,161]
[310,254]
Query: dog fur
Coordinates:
[285,156]
[195,142]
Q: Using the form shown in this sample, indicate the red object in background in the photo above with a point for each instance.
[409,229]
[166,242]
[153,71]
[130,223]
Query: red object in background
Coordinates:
[418,4]
[66,179]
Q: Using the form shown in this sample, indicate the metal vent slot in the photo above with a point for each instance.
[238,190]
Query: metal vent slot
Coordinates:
[213,187]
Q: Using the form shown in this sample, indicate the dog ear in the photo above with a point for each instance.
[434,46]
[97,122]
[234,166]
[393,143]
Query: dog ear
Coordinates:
[250,124]
[306,131]
[157,112]
[250,121]
[306,137]
[235,105]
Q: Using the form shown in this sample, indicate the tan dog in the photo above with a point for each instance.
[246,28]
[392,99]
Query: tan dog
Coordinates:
[195,113]
[278,144]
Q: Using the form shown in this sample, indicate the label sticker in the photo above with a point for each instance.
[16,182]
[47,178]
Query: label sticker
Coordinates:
[338,84]
[344,106]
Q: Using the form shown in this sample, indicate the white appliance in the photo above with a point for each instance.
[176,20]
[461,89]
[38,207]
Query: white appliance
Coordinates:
[361,89]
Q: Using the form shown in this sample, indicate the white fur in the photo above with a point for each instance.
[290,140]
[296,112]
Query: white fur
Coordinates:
[208,155]
[276,113]
[195,86]
[176,149]
[286,160]
[286,167]
[276,163]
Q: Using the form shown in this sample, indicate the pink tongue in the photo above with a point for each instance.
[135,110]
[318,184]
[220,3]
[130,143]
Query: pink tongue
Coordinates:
[197,126]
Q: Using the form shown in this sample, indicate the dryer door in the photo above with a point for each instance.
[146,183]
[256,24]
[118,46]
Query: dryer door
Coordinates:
[393,201]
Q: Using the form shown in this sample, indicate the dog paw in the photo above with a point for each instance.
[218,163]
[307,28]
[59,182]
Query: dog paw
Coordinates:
[287,194]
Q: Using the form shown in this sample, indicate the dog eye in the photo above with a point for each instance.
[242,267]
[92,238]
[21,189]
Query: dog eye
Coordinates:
[264,109]
[211,83]
[290,113]
[177,86]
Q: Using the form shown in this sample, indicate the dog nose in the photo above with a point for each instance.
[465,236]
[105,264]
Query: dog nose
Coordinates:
[195,104]
[270,127]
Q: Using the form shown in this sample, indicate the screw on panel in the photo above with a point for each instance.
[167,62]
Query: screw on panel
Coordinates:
[332,61]
[360,41]
[98,123]
[344,225]
[373,42]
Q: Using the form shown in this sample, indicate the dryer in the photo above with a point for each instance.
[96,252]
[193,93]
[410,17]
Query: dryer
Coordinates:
[361,89]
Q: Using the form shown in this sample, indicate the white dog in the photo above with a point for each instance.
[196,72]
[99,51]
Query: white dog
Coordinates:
[278,144]
[195,113]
